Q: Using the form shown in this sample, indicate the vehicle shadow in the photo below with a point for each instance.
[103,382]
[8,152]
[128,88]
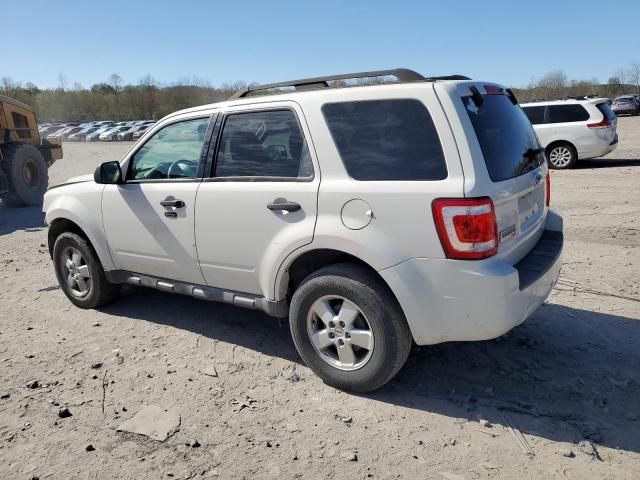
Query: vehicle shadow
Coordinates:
[566,374]
[607,163]
[250,329]
[20,218]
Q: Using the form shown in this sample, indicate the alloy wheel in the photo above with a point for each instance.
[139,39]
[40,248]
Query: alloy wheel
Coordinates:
[340,333]
[560,156]
[76,272]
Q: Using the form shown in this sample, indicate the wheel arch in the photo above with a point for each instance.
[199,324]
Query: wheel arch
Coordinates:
[309,261]
[60,226]
[59,223]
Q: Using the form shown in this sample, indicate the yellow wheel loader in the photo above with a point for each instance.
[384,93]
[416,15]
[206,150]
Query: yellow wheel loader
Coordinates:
[24,157]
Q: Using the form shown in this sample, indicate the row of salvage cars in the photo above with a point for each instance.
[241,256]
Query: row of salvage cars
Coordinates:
[106,131]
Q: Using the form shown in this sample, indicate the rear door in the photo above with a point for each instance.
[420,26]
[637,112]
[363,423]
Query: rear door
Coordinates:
[503,159]
[259,202]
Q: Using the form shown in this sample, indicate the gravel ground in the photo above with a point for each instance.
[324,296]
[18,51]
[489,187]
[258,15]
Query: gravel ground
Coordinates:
[557,397]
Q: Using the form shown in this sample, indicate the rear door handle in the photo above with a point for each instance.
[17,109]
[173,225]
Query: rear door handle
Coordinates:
[172,203]
[286,206]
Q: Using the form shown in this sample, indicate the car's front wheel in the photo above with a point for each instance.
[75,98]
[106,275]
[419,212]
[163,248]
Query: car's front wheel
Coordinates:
[562,156]
[348,328]
[80,273]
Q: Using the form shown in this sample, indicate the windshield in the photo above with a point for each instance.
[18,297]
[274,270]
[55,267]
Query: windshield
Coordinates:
[509,144]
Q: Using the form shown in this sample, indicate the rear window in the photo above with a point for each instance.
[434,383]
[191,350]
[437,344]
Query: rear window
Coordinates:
[567,113]
[605,109]
[386,140]
[509,145]
[535,114]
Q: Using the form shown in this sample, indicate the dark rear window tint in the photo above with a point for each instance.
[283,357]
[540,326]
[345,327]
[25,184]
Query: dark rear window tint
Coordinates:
[567,113]
[535,114]
[509,145]
[606,110]
[386,140]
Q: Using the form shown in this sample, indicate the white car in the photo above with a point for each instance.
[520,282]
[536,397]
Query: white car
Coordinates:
[373,216]
[112,133]
[95,136]
[571,130]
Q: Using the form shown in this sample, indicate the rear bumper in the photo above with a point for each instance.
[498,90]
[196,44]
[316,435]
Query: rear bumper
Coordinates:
[447,300]
[597,148]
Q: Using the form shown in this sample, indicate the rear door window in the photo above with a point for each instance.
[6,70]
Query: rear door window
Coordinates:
[509,145]
[267,144]
[386,140]
[535,114]
[567,113]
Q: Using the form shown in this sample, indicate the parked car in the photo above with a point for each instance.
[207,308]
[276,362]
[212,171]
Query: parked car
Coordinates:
[572,130]
[80,135]
[140,132]
[112,134]
[626,105]
[389,247]
[45,130]
[128,134]
[64,133]
[95,136]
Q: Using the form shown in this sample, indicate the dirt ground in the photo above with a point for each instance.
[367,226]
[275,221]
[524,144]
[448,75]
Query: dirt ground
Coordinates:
[560,393]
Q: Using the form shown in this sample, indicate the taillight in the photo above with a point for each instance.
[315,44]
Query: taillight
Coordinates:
[467,227]
[548,188]
[602,124]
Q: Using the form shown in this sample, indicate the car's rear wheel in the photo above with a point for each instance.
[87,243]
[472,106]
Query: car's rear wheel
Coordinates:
[562,156]
[80,273]
[348,328]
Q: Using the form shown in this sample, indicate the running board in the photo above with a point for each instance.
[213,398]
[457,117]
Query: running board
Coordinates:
[274,308]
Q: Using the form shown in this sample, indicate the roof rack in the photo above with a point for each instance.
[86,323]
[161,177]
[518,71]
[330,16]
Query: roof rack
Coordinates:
[403,75]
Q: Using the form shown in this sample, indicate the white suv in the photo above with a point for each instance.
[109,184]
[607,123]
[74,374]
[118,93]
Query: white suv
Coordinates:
[372,216]
[573,129]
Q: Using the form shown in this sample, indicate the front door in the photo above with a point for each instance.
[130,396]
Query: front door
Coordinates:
[260,201]
[149,219]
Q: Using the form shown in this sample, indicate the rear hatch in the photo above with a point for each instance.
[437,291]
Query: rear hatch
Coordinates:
[501,158]
[607,127]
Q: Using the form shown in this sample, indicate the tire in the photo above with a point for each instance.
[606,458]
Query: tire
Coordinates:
[96,289]
[561,156]
[378,312]
[27,174]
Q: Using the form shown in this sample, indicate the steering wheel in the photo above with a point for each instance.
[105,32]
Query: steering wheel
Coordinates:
[188,163]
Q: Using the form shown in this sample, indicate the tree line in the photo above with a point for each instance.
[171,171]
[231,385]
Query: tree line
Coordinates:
[556,85]
[148,99]
[113,99]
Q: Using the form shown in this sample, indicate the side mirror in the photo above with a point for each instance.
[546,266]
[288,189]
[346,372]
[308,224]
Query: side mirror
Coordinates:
[108,173]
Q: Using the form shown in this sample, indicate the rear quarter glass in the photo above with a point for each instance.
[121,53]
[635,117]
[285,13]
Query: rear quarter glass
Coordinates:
[391,139]
[509,145]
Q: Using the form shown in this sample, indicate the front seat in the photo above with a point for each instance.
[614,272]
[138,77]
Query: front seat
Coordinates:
[247,156]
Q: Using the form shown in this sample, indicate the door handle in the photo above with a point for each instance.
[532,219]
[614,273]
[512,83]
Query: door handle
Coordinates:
[172,203]
[286,206]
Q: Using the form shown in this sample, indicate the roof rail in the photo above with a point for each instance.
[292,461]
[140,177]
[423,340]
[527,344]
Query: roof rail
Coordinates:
[403,75]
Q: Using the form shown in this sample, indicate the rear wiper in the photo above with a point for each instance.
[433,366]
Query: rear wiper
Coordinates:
[530,155]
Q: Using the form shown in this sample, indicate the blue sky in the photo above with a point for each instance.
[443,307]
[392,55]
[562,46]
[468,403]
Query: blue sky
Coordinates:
[509,42]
